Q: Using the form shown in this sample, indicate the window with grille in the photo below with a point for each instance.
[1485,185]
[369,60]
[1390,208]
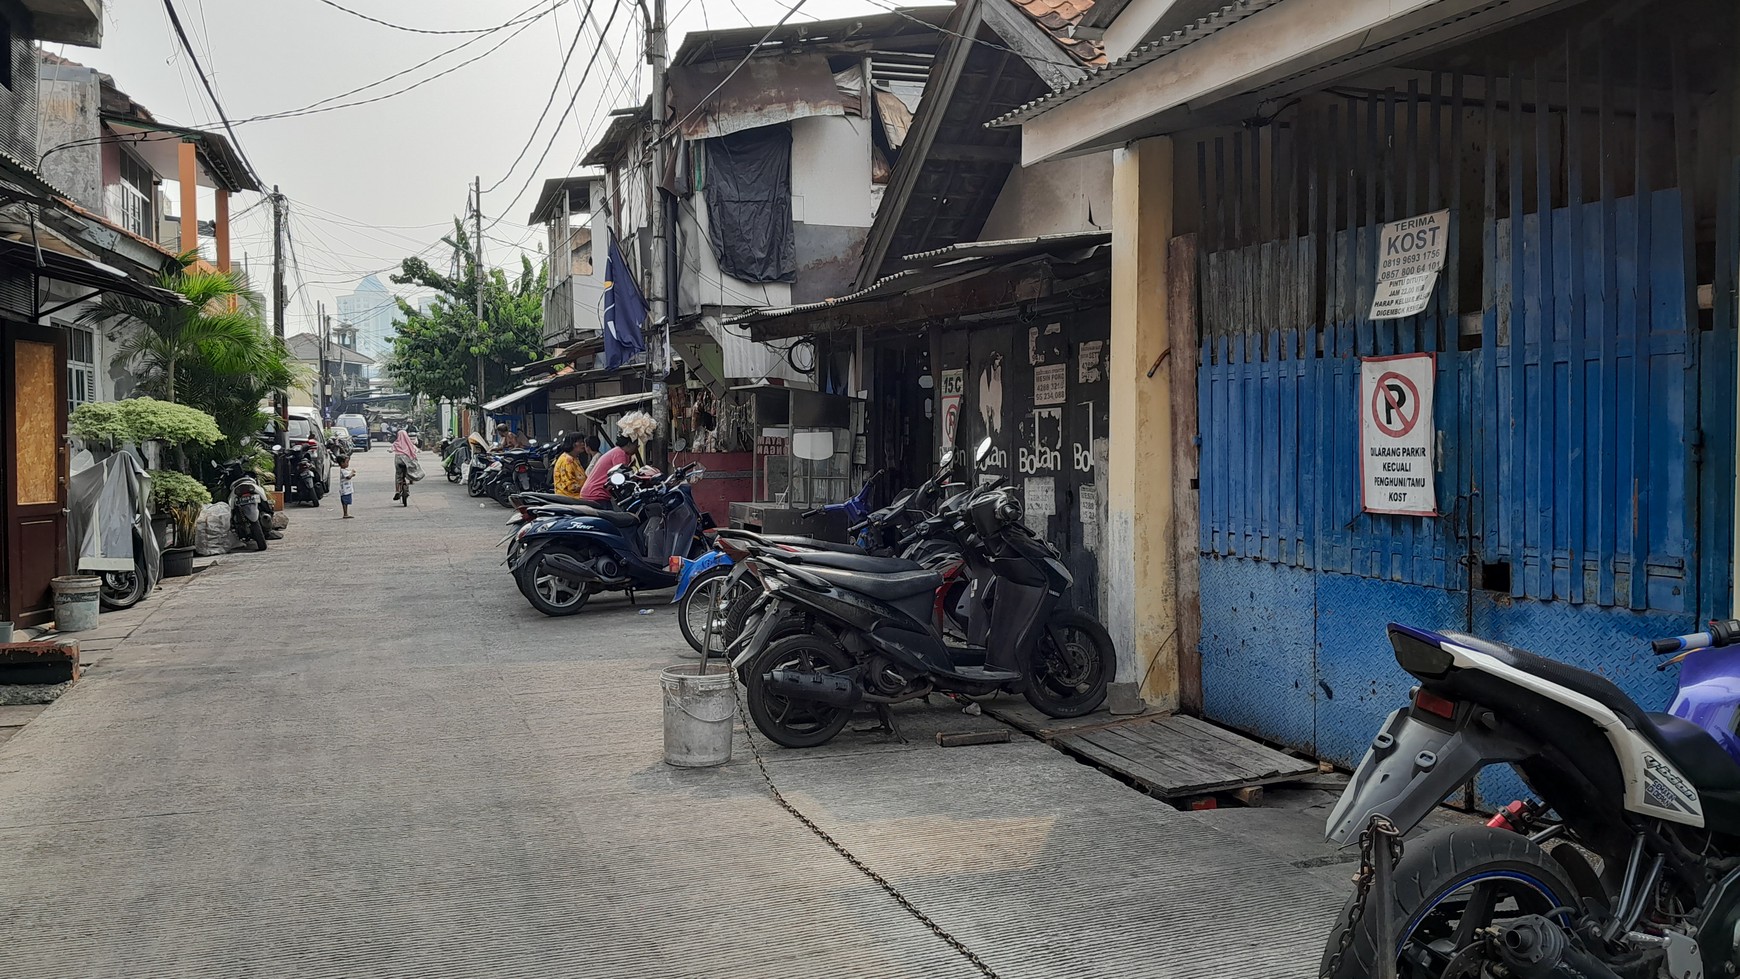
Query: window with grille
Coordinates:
[130,200]
[81,366]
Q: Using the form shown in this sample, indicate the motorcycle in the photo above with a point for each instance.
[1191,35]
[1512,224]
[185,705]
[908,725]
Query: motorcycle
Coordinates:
[250,507]
[870,633]
[1654,797]
[452,464]
[879,532]
[304,485]
[565,558]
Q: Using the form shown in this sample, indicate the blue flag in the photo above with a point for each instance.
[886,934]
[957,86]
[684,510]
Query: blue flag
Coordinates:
[625,311]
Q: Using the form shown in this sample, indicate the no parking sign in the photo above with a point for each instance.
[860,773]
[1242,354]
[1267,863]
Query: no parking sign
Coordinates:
[1396,434]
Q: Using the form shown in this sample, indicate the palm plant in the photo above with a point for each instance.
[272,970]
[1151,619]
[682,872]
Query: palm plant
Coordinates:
[219,331]
[214,353]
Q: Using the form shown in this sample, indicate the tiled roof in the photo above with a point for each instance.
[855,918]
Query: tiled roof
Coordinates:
[1060,18]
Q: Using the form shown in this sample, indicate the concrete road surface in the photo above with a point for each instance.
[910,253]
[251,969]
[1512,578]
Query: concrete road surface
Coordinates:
[363,754]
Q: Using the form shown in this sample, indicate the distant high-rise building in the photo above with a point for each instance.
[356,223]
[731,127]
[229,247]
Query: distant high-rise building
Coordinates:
[371,309]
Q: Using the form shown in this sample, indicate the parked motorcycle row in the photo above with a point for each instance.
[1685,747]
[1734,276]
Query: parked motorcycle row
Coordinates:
[499,474]
[943,591]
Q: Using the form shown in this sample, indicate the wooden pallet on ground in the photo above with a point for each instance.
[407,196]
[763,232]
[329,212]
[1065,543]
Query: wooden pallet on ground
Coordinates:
[1175,756]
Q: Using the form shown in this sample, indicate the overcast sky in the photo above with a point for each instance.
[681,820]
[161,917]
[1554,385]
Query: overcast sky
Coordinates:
[371,184]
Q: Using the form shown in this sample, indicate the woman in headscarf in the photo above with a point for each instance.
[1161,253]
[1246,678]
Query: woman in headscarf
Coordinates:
[404,458]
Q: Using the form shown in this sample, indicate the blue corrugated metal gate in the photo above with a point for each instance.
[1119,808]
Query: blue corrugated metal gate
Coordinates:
[1584,403]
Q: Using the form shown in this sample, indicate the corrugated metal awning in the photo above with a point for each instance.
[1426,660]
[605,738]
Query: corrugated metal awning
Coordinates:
[602,406]
[523,393]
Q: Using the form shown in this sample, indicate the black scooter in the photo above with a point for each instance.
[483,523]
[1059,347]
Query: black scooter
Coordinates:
[871,635]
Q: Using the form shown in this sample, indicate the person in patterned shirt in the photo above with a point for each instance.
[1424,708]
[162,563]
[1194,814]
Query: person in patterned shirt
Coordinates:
[570,475]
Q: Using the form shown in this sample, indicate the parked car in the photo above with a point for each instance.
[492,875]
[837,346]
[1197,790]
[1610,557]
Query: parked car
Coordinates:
[358,427]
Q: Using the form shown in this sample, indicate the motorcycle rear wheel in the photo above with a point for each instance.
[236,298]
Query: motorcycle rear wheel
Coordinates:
[788,722]
[550,593]
[1450,884]
[123,589]
[1071,681]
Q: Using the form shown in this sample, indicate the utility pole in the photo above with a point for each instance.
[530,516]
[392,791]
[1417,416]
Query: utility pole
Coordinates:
[661,292]
[477,248]
[323,334]
[280,301]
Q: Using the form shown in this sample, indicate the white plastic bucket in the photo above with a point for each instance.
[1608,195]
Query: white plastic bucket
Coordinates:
[75,602]
[700,716]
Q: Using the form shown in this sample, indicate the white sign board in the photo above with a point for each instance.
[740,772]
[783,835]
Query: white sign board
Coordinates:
[1040,497]
[954,385]
[1396,435]
[1050,383]
[1411,253]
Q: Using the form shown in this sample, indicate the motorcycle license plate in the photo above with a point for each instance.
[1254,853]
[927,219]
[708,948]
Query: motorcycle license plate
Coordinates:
[762,618]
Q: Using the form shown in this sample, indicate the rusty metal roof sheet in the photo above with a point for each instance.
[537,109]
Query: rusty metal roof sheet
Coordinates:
[1061,18]
[1152,51]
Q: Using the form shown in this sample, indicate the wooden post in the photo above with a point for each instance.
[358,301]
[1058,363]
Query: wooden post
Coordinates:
[1181,306]
[221,220]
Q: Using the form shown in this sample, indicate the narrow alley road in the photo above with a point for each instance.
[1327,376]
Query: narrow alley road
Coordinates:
[362,754]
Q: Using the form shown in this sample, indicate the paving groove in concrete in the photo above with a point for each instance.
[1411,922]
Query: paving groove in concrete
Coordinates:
[363,754]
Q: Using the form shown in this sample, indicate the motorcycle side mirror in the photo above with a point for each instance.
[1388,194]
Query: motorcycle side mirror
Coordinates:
[277,449]
[948,458]
[984,450]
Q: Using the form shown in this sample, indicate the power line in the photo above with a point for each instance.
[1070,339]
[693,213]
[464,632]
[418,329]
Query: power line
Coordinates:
[324,105]
[181,32]
[421,30]
[615,8]
[561,74]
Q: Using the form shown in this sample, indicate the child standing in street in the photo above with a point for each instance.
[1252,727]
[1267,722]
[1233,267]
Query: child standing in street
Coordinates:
[345,475]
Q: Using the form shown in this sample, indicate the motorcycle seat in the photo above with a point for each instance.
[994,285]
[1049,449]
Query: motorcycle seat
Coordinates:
[615,517]
[791,540]
[553,499]
[1594,686]
[850,562]
[883,587]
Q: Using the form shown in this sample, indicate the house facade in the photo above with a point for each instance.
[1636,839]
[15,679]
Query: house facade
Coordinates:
[1563,353]
[54,253]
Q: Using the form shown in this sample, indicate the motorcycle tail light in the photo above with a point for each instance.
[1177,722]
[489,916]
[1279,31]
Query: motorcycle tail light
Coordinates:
[1431,703]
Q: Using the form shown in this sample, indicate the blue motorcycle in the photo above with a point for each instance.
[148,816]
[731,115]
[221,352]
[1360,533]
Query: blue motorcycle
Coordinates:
[565,556]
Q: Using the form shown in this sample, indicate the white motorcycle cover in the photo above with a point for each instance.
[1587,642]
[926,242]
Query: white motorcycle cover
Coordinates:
[212,535]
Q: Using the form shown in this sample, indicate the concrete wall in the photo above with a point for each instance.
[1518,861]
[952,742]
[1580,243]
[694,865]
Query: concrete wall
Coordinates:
[69,100]
[1057,197]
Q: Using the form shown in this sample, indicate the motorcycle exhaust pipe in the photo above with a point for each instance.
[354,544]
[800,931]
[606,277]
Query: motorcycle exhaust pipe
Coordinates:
[827,688]
[566,566]
[1537,948]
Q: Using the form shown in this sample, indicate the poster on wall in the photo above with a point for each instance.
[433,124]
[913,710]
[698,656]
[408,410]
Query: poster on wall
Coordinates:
[954,385]
[1040,498]
[1411,253]
[1050,384]
[1397,435]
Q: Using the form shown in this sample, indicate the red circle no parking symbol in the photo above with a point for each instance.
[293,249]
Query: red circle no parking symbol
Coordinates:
[1395,405]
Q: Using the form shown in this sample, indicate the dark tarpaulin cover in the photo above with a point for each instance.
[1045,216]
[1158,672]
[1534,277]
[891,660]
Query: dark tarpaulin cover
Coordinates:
[748,188]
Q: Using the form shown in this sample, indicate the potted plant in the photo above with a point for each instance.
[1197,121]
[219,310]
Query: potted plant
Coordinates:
[111,426]
[179,497]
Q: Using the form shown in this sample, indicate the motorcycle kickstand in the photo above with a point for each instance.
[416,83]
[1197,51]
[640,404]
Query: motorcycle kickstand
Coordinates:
[885,722]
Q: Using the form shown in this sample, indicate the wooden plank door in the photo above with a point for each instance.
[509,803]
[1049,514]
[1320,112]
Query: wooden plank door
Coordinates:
[35,524]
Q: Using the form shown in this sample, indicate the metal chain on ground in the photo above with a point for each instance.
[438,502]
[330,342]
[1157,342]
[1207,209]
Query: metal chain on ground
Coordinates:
[1380,826]
[851,858]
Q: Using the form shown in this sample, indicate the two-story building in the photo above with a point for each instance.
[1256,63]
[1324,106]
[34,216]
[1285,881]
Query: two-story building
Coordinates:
[113,159]
[54,253]
[777,171]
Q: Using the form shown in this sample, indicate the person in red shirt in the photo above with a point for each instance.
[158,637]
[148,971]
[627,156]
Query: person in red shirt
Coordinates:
[597,488]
